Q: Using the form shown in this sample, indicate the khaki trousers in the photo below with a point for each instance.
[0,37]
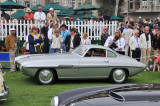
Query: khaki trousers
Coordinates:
[12,55]
[156,52]
[146,55]
[126,49]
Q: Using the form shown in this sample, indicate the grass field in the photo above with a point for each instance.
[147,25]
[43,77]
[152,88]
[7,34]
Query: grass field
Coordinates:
[24,91]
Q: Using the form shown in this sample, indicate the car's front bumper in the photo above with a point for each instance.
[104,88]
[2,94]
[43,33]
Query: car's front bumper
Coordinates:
[4,95]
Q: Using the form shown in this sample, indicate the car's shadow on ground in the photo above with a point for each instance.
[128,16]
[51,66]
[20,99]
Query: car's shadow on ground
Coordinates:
[62,82]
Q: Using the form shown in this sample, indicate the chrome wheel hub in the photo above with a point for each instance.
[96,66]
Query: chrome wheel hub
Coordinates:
[45,76]
[119,75]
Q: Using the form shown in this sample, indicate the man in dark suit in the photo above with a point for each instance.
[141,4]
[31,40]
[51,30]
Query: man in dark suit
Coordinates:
[72,41]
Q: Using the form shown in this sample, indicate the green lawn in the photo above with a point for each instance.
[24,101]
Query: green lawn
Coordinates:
[24,91]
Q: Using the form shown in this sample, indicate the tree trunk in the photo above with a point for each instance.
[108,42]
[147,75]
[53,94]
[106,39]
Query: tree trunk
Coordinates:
[116,8]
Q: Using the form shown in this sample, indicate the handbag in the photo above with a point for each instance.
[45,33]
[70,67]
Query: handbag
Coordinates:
[25,44]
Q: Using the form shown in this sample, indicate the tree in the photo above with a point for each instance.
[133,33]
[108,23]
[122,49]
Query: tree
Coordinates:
[108,6]
[116,8]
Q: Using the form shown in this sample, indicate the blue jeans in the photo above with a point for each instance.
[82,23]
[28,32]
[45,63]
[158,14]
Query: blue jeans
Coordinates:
[50,49]
[63,48]
[54,50]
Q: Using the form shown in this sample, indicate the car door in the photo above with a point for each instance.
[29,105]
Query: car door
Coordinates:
[68,68]
[93,67]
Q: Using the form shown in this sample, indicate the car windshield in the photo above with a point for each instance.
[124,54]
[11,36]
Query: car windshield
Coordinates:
[80,50]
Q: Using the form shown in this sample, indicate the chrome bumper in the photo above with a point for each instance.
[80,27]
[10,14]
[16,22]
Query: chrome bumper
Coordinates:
[4,95]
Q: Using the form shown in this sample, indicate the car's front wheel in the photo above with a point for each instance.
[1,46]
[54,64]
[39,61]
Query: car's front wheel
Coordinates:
[118,76]
[46,76]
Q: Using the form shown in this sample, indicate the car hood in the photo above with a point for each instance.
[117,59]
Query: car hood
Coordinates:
[122,95]
[45,58]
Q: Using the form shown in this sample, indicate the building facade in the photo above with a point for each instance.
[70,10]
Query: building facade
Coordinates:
[65,3]
[148,9]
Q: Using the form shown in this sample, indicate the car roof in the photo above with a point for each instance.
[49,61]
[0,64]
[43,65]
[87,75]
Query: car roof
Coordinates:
[97,46]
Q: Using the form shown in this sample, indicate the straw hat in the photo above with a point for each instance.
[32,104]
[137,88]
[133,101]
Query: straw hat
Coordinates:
[28,10]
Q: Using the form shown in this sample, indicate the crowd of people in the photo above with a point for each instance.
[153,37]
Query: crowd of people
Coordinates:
[51,40]
[133,38]
[136,39]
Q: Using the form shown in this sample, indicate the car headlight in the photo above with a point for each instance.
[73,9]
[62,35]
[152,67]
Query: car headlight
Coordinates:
[54,101]
[15,60]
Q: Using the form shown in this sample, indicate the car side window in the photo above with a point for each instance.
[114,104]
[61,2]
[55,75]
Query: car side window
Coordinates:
[111,54]
[96,53]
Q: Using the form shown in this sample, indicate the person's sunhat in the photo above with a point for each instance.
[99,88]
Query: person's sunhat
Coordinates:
[12,29]
[51,9]
[28,10]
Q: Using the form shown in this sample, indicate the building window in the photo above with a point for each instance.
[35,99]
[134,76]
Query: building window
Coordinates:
[73,3]
[56,1]
[79,2]
[64,2]
[131,4]
[27,4]
[35,2]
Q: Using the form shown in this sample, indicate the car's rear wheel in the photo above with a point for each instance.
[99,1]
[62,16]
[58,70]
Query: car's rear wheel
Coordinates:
[46,76]
[118,76]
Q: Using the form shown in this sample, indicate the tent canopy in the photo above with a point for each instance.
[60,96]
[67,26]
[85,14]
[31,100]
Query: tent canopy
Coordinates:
[83,12]
[89,16]
[11,5]
[113,17]
[66,12]
[87,6]
[18,14]
[35,8]
[54,6]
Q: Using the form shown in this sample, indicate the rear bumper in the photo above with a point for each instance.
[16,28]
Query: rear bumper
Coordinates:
[4,95]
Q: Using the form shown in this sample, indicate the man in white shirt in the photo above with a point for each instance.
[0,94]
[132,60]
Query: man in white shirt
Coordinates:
[39,16]
[50,36]
[134,44]
[127,34]
[145,40]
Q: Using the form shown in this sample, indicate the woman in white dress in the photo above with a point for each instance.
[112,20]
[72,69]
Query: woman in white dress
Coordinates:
[85,40]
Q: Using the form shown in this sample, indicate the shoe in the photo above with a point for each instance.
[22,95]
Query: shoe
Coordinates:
[147,68]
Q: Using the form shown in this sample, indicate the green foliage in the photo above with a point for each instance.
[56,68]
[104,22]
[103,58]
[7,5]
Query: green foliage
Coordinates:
[108,6]
[24,91]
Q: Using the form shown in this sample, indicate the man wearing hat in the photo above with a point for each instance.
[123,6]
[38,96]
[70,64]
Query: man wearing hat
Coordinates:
[35,41]
[72,41]
[52,16]
[29,16]
[12,45]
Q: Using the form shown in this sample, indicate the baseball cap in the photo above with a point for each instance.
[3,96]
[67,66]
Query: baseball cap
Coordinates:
[72,29]
[51,9]
[63,25]
[12,29]
[34,28]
